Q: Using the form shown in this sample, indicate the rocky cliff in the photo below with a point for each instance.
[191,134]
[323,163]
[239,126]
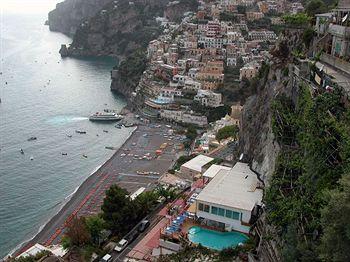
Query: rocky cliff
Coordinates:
[123,26]
[256,137]
[68,15]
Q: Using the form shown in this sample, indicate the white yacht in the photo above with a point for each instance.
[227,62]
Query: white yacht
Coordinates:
[105,117]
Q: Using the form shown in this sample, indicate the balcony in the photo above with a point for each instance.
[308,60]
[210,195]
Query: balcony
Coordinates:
[339,30]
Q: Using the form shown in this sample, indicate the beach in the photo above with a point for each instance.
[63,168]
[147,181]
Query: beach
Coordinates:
[121,169]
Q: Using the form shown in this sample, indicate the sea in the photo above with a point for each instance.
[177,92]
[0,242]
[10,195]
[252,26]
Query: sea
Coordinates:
[47,97]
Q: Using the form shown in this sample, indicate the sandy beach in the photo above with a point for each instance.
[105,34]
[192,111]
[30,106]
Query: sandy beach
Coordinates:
[122,169]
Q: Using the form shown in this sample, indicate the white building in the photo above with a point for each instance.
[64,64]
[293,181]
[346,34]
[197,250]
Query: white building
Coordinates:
[181,116]
[262,35]
[208,98]
[192,85]
[230,199]
[168,94]
[56,250]
[195,166]
[212,42]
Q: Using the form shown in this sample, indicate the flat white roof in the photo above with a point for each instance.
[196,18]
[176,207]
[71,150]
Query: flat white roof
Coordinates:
[198,162]
[213,170]
[235,188]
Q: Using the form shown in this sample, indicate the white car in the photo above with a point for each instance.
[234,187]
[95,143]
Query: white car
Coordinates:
[121,245]
[106,258]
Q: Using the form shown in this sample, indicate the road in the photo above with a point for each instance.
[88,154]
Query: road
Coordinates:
[154,219]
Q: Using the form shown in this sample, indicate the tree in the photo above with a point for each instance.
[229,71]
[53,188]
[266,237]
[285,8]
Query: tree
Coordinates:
[226,132]
[297,20]
[95,225]
[191,133]
[118,211]
[146,202]
[308,35]
[315,7]
[335,218]
[77,233]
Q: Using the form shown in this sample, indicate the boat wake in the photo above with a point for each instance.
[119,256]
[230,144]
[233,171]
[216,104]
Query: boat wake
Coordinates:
[61,120]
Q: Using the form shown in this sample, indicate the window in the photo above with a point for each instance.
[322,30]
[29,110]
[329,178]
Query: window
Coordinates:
[228,213]
[206,208]
[214,210]
[235,215]
[221,212]
[200,206]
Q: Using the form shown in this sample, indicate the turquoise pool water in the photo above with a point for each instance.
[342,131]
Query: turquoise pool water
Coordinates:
[215,240]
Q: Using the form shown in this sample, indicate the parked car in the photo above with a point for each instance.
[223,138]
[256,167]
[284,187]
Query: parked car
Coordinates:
[132,236]
[144,224]
[106,258]
[121,245]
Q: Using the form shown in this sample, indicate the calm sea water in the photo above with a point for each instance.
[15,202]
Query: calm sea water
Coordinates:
[46,97]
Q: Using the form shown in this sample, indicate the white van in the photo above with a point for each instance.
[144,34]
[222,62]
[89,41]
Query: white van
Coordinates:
[121,245]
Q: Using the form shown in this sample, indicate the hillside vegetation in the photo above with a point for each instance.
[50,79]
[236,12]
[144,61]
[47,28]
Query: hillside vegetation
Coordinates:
[311,175]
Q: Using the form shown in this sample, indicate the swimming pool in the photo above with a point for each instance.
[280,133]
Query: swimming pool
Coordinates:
[215,240]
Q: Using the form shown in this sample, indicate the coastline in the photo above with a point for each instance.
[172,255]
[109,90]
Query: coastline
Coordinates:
[64,205]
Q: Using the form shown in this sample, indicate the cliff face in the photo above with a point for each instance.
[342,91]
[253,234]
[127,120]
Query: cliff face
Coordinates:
[118,29]
[256,137]
[123,26]
[68,15]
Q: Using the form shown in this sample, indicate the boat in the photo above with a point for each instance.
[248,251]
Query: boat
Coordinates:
[31,158]
[110,147]
[80,131]
[64,154]
[85,156]
[70,136]
[31,138]
[106,131]
[22,152]
[105,117]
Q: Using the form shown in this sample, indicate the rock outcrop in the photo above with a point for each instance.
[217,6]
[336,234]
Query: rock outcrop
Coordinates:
[68,15]
[63,51]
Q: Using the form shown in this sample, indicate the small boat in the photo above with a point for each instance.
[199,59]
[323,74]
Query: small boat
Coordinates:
[110,147]
[31,158]
[85,156]
[119,127]
[80,131]
[64,154]
[31,138]
[106,131]
[70,136]
[22,152]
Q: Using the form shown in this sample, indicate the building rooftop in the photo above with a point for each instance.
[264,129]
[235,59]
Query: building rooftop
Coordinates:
[198,162]
[235,188]
[37,248]
[213,170]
